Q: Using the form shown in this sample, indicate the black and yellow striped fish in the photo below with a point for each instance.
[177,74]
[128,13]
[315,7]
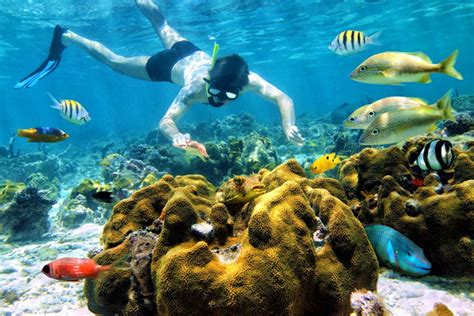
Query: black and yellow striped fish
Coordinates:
[71,110]
[350,41]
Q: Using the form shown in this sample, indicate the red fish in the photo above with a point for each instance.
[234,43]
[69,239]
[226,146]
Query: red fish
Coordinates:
[417,183]
[73,269]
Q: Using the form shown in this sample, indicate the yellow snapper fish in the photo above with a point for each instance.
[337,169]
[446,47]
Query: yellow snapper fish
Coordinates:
[324,163]
[393,127]
[71,110]
[393,68]
[364,116]
[350,41]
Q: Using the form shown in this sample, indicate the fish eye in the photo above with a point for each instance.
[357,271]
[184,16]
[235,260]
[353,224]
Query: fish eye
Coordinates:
[371,113]
[375,132]
[352,119]
[362,68]
[46,269]
[327,157]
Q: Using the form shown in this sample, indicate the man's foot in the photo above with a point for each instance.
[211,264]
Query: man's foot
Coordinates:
[50,64]
[150,9]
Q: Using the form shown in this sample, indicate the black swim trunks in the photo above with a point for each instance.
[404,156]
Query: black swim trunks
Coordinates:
[159,66]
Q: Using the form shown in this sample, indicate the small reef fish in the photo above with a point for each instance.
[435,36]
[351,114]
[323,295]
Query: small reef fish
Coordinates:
[73,269]
[393,68]
[71,110]
[436,155]
[43,134]
[393,127]
[397,251]
[196,149]
[103,196]
[350,41]
[363,116]
[325,163]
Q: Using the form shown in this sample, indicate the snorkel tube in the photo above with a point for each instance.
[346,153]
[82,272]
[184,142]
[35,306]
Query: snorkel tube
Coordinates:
[215,50]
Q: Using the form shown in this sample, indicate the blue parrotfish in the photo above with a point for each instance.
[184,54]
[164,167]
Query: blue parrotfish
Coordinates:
[397,251]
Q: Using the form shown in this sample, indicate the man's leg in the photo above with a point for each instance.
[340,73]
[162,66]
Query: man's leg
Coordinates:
[131,66]
[152,12]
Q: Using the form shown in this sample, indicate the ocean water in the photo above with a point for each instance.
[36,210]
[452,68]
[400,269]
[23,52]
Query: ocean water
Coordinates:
[283,41]
[286,42]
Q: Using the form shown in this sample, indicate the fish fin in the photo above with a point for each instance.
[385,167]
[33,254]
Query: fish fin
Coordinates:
[422,56]
[419,101]
[444,105]
[447,66]
[390,74]
[57,104]
[432,128]
[374,38]
[21,133]
[392,258]
[425,79]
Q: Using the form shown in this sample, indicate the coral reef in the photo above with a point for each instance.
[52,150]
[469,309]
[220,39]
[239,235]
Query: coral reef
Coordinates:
[26,217]
[367,303]
[259,259]
[464,123]
[376,182]
[8,189]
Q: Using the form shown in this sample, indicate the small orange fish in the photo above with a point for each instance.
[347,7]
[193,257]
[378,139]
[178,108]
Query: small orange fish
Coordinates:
[197,149]
[73,269]
[325,163]
[43,134]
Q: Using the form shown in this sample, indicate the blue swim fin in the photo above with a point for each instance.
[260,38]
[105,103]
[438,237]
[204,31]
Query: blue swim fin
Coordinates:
[50,64]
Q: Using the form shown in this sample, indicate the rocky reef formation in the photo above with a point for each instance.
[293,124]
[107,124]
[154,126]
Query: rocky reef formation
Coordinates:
[437,214]
[258,257]
[26,216]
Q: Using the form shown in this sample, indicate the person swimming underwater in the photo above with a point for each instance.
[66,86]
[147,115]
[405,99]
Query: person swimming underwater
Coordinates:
[214,81]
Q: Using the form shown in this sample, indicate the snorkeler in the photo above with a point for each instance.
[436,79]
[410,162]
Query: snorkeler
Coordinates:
[204,79]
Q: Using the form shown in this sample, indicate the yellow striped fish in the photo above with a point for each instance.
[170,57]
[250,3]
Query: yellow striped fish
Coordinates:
[71,110]
[350,41]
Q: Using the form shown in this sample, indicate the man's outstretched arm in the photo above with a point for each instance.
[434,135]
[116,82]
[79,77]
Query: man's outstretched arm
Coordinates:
[177,109]
[284,103]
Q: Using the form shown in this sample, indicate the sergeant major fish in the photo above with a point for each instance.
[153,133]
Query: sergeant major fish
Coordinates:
[393,127]
[393,68]
[350,41]
[43,134]
[397,251]
[71,110]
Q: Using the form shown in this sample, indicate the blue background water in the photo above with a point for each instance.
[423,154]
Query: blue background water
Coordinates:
[284,41]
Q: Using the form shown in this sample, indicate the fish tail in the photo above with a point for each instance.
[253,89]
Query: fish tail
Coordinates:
[56,104]
[444,105]
[447,66]
[104,268]
[21,133]
[374,38]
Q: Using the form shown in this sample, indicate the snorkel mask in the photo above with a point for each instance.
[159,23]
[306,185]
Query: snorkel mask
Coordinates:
[213,92]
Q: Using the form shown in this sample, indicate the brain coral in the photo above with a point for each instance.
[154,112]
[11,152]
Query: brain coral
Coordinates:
[277,268]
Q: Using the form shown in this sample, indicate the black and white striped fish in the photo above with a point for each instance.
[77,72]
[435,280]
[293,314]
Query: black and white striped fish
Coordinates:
[350,41]
[436,155]
[71,110]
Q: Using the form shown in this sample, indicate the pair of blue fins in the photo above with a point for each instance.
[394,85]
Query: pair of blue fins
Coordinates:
[49,64]
[397,251]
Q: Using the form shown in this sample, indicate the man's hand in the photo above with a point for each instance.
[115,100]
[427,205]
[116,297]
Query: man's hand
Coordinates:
[293,135]
[182,140]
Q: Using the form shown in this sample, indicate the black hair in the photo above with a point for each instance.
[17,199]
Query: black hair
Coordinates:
[230,73]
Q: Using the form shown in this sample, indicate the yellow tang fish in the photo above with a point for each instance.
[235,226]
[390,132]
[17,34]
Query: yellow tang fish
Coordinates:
[324,163]
[393,68]
[71,110]
[350,41]
[393,127]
